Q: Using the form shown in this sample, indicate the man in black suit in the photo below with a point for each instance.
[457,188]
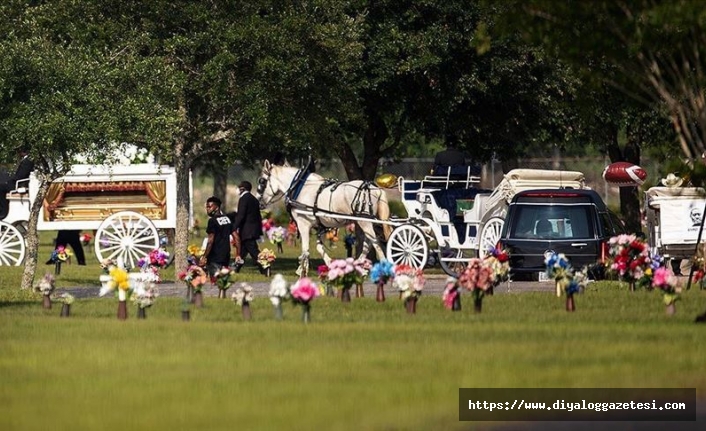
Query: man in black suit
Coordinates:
[248,223]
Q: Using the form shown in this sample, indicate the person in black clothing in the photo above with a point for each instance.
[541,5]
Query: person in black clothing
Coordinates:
[217,253]
[248,223]
[450,157]
[72,238]
[25,166]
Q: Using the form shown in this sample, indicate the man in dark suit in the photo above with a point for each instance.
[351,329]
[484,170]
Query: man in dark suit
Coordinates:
[248,223]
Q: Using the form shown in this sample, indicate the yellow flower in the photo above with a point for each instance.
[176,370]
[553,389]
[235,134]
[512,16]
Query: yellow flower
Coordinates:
[120,278]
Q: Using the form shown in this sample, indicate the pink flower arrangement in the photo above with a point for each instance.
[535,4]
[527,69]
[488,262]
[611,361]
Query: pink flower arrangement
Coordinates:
[347,272]
[304,290]
[450,292]
[195,276]
[478,277]
[631,260]
[156,258]
[665,281]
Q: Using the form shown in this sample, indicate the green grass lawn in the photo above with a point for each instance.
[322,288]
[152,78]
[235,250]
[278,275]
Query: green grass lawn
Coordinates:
[363,365]
[357,366]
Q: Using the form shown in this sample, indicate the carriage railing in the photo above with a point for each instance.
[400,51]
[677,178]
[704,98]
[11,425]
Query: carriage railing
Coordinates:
[444,177]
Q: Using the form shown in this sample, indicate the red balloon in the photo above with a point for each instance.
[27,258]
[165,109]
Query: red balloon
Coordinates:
[624,174]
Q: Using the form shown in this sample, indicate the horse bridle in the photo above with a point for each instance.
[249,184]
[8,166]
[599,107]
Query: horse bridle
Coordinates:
[262,184]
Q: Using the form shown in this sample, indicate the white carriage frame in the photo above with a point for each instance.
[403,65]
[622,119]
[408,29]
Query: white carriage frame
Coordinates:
[410,241]
[121,234]
[670,233]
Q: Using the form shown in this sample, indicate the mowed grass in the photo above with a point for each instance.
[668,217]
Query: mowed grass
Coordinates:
[363,365]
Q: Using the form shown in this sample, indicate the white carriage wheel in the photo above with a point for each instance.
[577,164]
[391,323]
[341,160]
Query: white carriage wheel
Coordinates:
[490,235]
[407,245]
[450,263]
[12,245]
[126,236]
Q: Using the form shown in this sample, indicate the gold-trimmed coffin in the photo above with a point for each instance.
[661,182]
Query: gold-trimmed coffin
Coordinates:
[90,201]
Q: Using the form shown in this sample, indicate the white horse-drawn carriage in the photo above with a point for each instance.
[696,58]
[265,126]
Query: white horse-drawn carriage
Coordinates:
[674,219]
[448,217]
[451,221]
[124,204]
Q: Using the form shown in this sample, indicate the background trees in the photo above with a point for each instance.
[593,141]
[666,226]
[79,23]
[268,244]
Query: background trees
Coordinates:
[217,81]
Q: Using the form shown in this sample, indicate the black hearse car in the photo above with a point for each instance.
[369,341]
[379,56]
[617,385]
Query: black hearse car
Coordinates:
[575,222]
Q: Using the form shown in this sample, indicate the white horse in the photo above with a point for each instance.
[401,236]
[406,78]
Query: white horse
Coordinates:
[320,203]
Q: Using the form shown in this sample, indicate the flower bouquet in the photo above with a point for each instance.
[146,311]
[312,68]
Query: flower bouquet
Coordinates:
[45,286]
[195,278]
[119,281]
[243,296]
[499,261]
[630,259]
[566,278]
[144,296]
[344,273]
[322,272]
[276,236]
[194,253]
[409,282]
[60,255]
[85,239]
[452,295]
[478,278]
[223,281]
[265,258]
[279,292]
[382,272]
[665,281]
[66,300]
[303,291]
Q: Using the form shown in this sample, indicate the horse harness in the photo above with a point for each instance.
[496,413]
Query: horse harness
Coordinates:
[361,206]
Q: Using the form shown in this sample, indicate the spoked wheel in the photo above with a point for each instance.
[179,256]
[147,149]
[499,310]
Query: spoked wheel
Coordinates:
[126,236]
[21,226]
[454,260]
[12,245]
[407,245]
[490,235]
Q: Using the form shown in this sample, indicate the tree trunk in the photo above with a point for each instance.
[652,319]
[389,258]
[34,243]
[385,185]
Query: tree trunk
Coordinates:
[181,237]
[220,184]
[629,199]
[31,238]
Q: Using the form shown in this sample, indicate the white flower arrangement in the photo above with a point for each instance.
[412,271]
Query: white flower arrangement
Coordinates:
[279,290]
[408,285]
[66,298]
[243,294]
[145,296]
[46,285]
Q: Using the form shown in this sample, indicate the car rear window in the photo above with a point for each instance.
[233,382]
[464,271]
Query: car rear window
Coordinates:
[555,222]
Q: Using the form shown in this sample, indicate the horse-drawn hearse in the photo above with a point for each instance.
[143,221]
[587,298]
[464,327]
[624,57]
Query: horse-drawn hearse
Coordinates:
[449,218]
[124,204]
[674,218]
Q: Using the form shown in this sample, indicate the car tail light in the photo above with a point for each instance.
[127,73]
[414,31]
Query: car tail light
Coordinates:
[605,251]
